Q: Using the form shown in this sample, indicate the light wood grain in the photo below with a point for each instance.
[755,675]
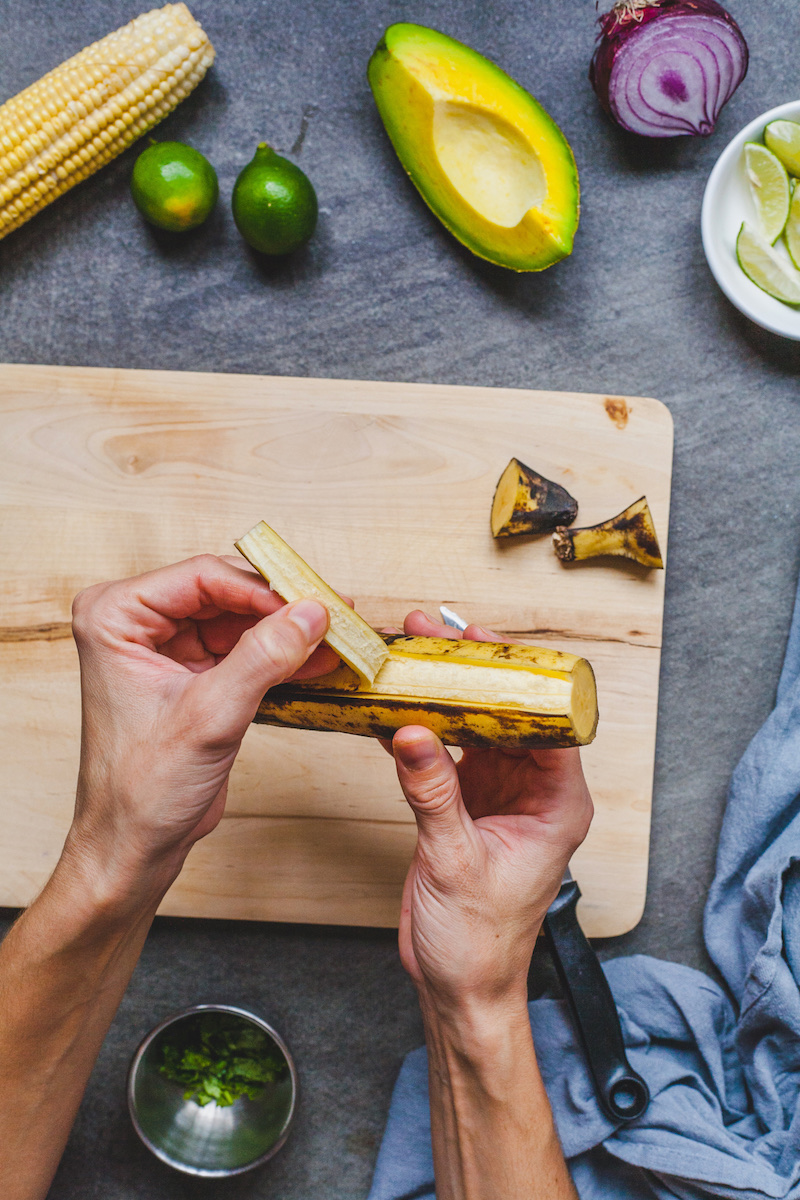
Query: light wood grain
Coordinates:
[386,490]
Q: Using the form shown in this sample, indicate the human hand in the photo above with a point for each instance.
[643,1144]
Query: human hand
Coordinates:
[495,832]
[174,664]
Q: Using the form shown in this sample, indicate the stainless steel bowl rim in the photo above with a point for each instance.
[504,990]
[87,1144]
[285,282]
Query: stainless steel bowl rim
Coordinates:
[211,1173]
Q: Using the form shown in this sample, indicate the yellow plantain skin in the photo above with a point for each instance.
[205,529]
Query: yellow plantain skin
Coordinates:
[631,534]
[469,693]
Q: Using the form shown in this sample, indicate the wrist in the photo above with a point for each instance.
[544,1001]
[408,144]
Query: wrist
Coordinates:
[474,1025]
[492,1126]
[111,884]
[483,971]
[479,1056]
[482,987]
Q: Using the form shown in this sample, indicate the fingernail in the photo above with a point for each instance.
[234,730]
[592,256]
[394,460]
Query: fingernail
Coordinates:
[309,616]
[418,755]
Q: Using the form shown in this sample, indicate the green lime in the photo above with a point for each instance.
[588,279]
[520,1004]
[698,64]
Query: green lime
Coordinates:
[769,187]
[783,139]
[274,203]
[174,186]
[766,267]
[792,230]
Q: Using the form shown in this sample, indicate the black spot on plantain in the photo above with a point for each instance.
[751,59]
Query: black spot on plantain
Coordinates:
[640,531]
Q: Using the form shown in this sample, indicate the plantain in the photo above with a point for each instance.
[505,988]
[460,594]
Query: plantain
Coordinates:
[526,502]
[631,534]
[292,578]
[469,693]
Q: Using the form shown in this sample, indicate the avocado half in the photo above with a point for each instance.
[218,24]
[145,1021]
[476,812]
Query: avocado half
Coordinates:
[484,155]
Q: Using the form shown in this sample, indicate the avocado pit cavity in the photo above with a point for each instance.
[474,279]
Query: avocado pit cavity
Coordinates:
[488,162]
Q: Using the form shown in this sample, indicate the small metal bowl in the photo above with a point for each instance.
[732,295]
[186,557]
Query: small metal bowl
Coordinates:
[209,1141]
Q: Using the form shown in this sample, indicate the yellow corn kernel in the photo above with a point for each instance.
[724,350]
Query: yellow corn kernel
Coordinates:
[84,113]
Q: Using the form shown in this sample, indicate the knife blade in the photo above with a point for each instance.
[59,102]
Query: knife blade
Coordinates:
[621,1092]
[452,619]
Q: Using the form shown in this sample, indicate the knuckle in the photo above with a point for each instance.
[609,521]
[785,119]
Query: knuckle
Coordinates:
[588,817]
[586,814]
[204,565]
[436,794]
[206,730]
[579,827]
[84,610]
[205,560]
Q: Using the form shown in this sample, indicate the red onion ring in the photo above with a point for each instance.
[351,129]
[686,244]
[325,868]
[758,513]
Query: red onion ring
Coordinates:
[665,68]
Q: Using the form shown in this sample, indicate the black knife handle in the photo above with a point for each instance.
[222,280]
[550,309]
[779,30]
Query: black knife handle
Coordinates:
[622,1093]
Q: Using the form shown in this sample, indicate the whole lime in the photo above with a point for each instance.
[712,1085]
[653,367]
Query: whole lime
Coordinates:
[174,186]
[274,203]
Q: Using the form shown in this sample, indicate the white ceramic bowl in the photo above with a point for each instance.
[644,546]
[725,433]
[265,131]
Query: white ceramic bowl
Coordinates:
[726,203]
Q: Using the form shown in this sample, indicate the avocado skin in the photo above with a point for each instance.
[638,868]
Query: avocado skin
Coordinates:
[396,70]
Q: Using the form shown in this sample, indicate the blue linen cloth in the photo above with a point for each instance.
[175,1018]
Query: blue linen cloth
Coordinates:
[723,1064]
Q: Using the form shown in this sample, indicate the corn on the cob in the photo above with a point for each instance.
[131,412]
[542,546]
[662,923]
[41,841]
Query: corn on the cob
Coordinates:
[91,108]
[469,693]
[292,578]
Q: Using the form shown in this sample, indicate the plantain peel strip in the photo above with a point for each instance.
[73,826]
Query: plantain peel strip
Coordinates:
[291,577]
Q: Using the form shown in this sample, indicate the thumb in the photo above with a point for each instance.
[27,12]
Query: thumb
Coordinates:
[264,656]
[430,783]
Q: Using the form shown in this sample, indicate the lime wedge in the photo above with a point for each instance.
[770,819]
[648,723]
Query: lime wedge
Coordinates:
[783,139]
[792,230]
[765,267]
[769,187]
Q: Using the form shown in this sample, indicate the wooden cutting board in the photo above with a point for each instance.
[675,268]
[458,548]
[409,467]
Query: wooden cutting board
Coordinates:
[386,490]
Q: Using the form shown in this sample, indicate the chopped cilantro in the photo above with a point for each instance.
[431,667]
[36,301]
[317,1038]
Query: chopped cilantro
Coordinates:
[221,1057]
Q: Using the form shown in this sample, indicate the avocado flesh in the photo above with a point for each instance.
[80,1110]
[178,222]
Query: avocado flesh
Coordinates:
[484,155]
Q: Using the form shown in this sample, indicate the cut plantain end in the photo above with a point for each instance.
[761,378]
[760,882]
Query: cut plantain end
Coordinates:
[526,502]
[631,534]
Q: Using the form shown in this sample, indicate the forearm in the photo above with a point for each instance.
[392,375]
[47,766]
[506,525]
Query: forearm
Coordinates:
[64,967]
[493,1132]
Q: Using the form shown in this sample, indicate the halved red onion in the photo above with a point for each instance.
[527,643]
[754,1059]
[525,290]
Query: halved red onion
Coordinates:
[665,68]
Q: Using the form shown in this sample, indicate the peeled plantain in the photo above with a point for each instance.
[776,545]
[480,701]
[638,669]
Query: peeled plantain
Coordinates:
[469,693]
[526,502]
[631,534]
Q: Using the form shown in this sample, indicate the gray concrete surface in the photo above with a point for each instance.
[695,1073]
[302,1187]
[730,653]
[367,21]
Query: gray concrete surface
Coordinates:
[384,293]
